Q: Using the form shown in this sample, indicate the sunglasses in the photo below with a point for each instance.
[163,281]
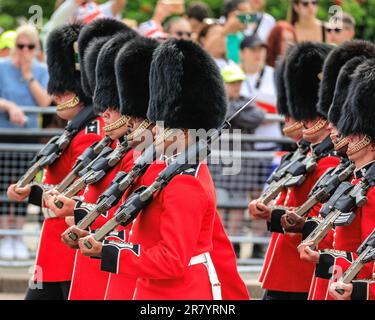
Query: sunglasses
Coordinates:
[334,30]
[306,3]
[182,33]
[29,46]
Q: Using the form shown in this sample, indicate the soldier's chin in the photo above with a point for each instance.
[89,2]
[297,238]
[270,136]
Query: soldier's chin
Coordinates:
[67,114]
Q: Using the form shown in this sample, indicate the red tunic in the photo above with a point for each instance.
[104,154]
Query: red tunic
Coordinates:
[347,240]
[223,257]
[283,269]
[88,281]
[54,262]
[166,235]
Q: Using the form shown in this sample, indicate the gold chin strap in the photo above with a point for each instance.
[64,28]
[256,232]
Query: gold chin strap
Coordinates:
[72,103]
[163,136]
[343,142]
[137,132]
[359,146]
[292,128]
[117,124]
[316,127]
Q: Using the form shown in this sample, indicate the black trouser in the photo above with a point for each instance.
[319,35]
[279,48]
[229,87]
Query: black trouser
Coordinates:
[279,295]
[48,291]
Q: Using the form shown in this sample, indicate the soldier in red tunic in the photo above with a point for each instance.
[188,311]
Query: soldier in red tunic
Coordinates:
[284,275]
[171,240]
[54,264]
[356,123]
[105,51]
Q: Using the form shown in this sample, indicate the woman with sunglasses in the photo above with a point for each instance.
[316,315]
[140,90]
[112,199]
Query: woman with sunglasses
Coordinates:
[23,81]
[302,16]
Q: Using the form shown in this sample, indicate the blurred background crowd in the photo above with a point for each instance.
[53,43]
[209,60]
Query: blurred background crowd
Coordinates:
[246,38]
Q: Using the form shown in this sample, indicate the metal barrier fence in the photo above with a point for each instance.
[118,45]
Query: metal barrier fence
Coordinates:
[15,158]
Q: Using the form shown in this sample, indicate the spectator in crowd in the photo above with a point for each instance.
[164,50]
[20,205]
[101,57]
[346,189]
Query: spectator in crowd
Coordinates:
[179,28]
[7,42]
[196,13]
[282,37]
[341,29]
[233,27]
[163,9]
[265,22]
[212,38]
[237,185]
[302,16]
[23,82]
[259,82]
[81,11]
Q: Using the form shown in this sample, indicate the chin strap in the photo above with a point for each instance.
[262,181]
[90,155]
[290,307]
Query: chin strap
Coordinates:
[117,124]
[141,128]
[359,146]
[292,128]
[319,125]
[343,142]
[70,104]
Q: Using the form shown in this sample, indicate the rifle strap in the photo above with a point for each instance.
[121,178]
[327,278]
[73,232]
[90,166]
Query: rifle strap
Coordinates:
[324,149]
[81,119]
[370,174]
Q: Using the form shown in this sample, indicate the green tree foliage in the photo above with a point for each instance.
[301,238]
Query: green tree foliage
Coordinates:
[141,10]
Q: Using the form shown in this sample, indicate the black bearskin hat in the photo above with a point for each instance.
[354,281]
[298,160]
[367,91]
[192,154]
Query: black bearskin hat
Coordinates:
[282,103]
[132,66]
[106,94]
[342,88]
[91,58]
[303,66]
[358,116]
[101,27]
[61,62]
[334,62]
[186,87]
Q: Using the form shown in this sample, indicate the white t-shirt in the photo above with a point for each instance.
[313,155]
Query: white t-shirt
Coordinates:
[265,27]
[266,93]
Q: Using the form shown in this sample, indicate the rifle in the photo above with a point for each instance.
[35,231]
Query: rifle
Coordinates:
[294,175]
[298,154]
[143,196]
[96,170]
[56,146]
[110,197]
[341,210]
[83,161]
[326,186]
[45,157]
[366,254]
